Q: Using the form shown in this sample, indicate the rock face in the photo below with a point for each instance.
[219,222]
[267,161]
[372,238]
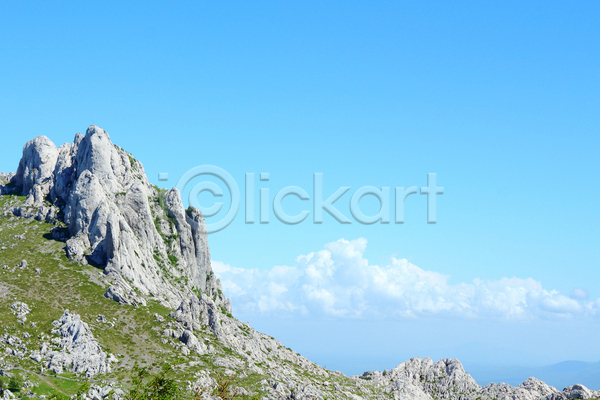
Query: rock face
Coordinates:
[110,216]
[198,312]
[36,169]
[149,247]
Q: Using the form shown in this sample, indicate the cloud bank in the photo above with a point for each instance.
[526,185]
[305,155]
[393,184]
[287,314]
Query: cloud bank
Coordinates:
[338,281]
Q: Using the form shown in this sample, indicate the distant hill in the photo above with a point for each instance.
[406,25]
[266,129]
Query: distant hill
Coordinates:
[558,375]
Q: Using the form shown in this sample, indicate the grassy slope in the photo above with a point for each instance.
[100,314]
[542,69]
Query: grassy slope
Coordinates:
[62,284]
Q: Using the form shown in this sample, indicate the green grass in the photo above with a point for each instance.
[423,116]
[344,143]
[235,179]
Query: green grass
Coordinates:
[136,337]
[174,260]
[132,160]
[132,340]
[80,292]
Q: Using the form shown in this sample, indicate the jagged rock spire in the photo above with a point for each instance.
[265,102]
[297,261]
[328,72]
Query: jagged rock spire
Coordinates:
[115,219]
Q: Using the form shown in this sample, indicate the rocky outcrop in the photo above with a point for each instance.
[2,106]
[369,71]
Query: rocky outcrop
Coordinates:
[102,392]
[580,392]
[197,312]
[7,183]
[447,379]
[530,389]
[108,215]
[113,218]
[35,175]
[20,310]
[122,293]
[78,350]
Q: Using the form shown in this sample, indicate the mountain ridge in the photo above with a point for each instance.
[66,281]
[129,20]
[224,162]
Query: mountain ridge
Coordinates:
[84,215]
[559,374]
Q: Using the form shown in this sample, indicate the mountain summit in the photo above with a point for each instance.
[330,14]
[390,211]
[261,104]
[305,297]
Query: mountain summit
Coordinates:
[100,271]
[99,197]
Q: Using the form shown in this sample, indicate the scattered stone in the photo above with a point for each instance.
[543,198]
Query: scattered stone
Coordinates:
[21,310]
[105,390]
[148,246]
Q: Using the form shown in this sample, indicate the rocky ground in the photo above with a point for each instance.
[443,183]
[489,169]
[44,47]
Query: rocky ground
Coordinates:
[100,271]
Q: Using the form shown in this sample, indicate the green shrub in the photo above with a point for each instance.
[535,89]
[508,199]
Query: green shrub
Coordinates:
[152,387]
[83,389]
[15,384]
[223,387]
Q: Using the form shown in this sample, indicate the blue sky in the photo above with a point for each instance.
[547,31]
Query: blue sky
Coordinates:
[499,99]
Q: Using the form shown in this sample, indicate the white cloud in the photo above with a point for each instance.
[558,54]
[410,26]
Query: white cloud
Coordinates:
[338,281]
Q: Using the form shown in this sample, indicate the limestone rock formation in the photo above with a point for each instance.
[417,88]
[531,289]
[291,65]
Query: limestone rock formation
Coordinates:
[36,169]
[78,351]
[149,247]
[199,311]
[447,379]
[101,392]
[110,216]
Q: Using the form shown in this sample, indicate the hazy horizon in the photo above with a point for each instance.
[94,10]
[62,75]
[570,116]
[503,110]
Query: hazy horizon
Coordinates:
[500,100]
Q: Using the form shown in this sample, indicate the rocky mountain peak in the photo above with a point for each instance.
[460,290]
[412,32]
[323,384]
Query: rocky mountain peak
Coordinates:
[110,216]
[146,245]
